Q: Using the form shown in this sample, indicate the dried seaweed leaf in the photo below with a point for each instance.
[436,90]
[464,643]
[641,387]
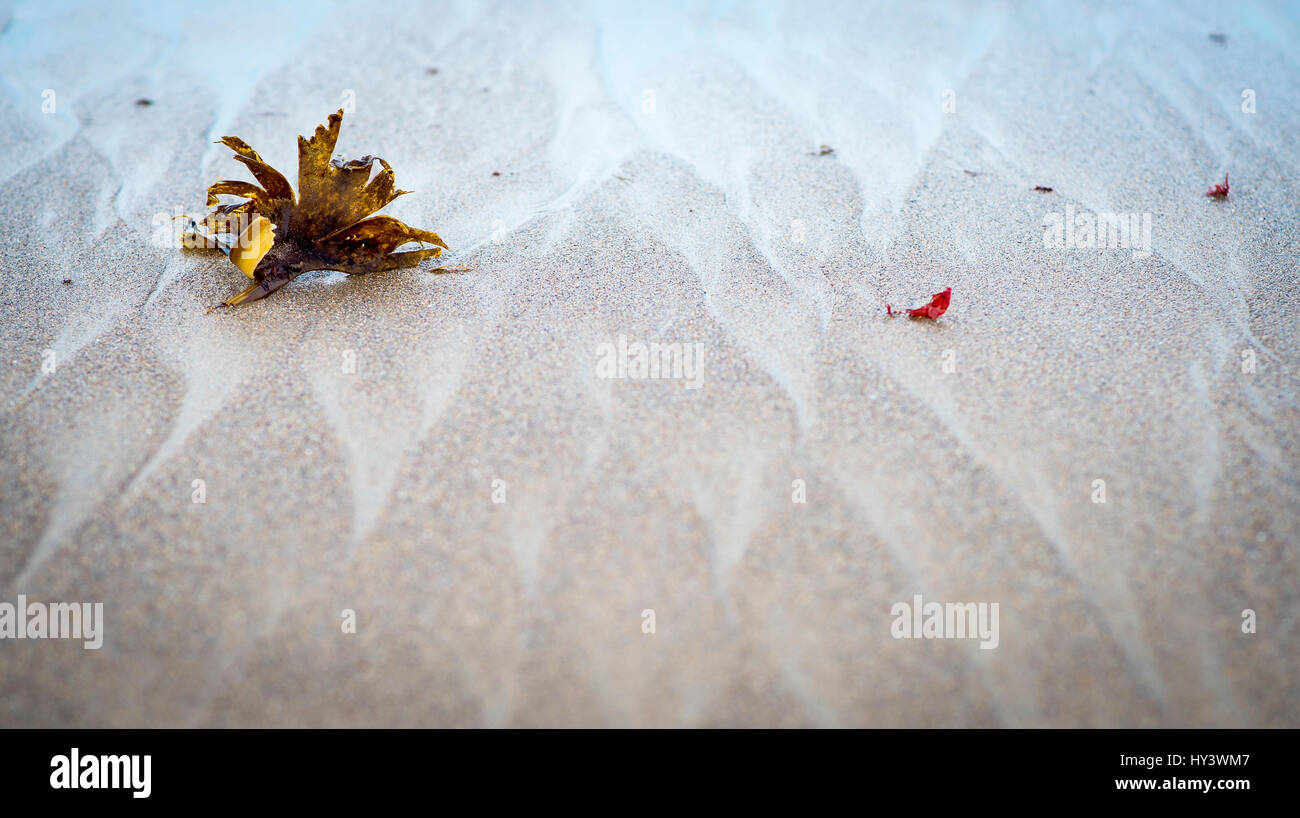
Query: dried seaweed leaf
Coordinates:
[383,232]
[246,189]
[275,236]
[253,243]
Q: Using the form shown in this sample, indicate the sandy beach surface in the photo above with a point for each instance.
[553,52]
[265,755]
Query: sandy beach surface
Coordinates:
[440,455]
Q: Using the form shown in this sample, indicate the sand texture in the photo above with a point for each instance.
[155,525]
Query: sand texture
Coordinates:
[660,180]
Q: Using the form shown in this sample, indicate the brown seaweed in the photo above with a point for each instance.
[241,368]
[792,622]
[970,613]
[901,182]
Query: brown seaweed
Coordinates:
[274,236]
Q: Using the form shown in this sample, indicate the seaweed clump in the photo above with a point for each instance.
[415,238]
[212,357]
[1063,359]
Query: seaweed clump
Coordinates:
[273,236]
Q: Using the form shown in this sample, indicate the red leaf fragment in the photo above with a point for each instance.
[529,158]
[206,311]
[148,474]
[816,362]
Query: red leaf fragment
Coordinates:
[1219,191]
[938,306]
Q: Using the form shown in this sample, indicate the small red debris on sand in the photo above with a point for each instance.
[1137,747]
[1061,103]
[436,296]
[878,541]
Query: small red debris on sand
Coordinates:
[496,173]
[1219,191]
[938,306]
[1042,189]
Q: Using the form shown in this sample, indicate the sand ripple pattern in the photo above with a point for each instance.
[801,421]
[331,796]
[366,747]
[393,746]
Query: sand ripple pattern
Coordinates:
[657,181]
